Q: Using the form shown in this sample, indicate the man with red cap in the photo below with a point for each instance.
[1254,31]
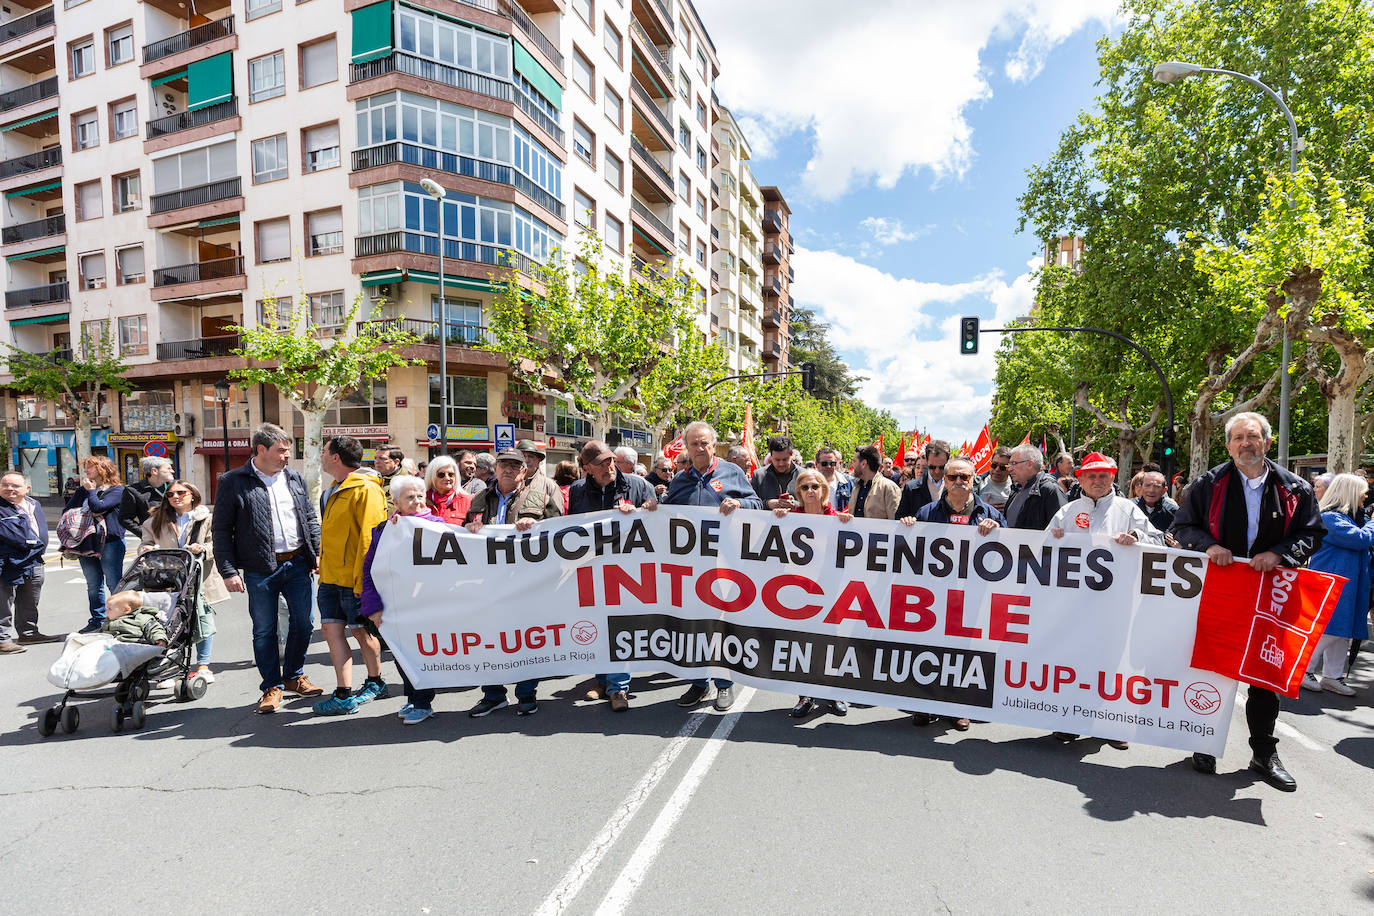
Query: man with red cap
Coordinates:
[1101,511]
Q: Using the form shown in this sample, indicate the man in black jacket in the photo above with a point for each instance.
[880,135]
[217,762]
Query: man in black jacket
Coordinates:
[140,499]
[926,489]
[1038,498]
[776,482]
[267,543]
[1251,507]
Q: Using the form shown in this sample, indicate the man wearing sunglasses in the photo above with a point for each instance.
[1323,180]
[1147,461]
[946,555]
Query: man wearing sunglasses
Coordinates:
[924,490]
[995,489]
[841,485]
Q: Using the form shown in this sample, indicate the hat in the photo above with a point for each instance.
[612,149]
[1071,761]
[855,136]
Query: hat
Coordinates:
[529,445]
[511,454]
[1096,461]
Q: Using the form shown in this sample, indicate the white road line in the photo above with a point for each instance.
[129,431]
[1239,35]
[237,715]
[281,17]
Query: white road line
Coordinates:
[562,895]
[632,875]
[1288,731]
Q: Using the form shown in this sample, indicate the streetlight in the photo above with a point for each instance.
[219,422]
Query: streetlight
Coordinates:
[1174,70]
[435,190]
[222,396]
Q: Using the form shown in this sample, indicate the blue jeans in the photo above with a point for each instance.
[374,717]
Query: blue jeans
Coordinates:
[291,580]
[415,696]
[721,683]
[102,573]
[203,650]
[615,683]
[523,691]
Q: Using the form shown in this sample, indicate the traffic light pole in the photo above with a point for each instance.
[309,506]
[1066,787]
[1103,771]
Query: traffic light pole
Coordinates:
[1168,437]
[805,372]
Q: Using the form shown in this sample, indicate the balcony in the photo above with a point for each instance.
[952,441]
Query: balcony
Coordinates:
[196,196]
[533,32]
[218,269]
[422,157]
[644,268]
[791,274]
[185,120]
[32,162]
[27,95]
[25,25]
[772,287]
[772,254]
[402,241]
[648,104]
[641,211]
[643,157]
[420,68]
[662,61]
[772,350]
[191,38]
[772,318]
[38,229]
[772,221]
[37,295]
[459,334]
[201,348]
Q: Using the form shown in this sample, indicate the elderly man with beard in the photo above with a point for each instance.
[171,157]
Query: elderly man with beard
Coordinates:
[1249,508]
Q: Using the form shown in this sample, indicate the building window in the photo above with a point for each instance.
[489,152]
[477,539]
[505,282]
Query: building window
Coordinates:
[323,233]
[701,63]
[273,240]
[379,208]
[86,129]
[701,159]
[701,112]
[610,39]
[195,167]
[321,147]
[584,143]
[123,119]
[684,86]
[269,159]
[127,193]
[129,262]
[119,45]
[462,318]
[256,8]
[584,9]
[92,270]
[83,58]
[236,411]
[456,44]
[365,405]
[327,310]
[133,335]
[276,312]
[684,35]
[467,400]
[584,74]
[701,252]
[147,410]
[584,209]
[684,135]
[615,171]
[88,201]
[615,234]
[319,63]
[701,205]
[567,423]
[267,77]
[684,238]
[684,187]
[611,104]
[95,335]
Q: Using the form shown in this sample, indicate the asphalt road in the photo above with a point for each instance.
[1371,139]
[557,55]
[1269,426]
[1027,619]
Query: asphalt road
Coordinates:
[578,810]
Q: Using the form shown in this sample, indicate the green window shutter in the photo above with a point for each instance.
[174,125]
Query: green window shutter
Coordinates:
[371,32]
[529,68]
[210,81]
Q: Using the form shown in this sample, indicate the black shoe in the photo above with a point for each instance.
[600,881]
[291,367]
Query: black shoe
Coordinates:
[921,719]
[91,627]
[725,698]
[1119,745]
[487,707]
[1271,768]
[33,639]
[805,706]
[838,707]
[526,707]
[1205,763]
[1064,737]
[693,697]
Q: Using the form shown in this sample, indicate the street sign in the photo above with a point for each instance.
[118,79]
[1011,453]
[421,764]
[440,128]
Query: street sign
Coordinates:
[155,450]
[505,437]
[432,432]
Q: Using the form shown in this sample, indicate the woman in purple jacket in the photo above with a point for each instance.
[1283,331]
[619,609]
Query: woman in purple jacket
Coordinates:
[101,493]
[408,494]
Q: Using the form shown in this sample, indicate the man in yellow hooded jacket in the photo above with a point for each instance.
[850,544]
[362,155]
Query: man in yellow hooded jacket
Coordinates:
[349,511]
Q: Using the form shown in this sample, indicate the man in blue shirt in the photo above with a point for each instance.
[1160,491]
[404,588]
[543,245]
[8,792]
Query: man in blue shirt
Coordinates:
[709,481]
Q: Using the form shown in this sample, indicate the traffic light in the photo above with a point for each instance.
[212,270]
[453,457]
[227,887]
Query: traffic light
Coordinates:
[1168,441]
[968,335]
[808,373]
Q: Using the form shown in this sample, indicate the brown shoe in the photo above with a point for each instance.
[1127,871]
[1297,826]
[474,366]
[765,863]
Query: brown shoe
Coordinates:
[961,724]
[10,647]
[596,692]
[302,687]
[271,700]
[620,701]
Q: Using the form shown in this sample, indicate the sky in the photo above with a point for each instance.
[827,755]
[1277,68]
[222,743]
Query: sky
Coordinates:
[900,135]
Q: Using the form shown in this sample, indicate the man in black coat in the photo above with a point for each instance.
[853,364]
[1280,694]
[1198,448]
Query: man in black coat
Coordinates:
[1037,497]
[926,488]
[776,482]
[1251,507]
[141,498]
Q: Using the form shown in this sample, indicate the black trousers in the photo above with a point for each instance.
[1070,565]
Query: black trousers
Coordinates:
[1261,712]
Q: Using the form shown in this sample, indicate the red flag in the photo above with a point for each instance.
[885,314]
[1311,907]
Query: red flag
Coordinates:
[1026,441]
[674,448]
[901,451]
[878,444]
[1261,628]
[982,452]
[1044,446]
[749,438]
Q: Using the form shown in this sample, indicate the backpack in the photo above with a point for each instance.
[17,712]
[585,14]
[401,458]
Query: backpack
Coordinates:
[81,533]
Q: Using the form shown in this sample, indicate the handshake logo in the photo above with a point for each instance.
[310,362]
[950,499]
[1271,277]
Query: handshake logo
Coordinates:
[1270,651]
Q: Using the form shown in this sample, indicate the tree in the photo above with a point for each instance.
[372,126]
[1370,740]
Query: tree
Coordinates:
[73,381]
[587,331]
[810,344]
[313,372]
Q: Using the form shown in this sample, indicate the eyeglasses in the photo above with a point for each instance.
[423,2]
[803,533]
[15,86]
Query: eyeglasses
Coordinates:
[809,486]
[1020,461]
[999,467]
[909,461]
[828,464]
[445,473]
[958,477]
[178,492]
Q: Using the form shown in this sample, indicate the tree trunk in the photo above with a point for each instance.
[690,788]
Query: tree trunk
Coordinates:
[1200,430]
[314,446]
[81,436]
[1126,434]
[1341,390]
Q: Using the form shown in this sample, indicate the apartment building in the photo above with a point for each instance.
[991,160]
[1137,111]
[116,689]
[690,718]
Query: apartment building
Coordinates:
[172,170]
[736,248]
[778,275]
[1067,251]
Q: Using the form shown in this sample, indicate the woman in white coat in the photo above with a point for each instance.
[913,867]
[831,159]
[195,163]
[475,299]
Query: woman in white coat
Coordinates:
[181,520]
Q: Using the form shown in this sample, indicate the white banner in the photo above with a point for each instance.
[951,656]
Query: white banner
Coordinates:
[1078,635]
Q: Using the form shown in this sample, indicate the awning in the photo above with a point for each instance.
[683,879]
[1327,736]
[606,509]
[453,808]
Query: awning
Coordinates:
[385,276]
[371,32]
[210,81]
[424,276]
[541,79]
[46,319]
[27,121]
[180,74]
[222,221]
[36,254]
[23,192]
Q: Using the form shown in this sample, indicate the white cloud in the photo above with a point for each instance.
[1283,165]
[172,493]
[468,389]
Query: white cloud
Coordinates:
[881,86]
[889,230]
[903,335]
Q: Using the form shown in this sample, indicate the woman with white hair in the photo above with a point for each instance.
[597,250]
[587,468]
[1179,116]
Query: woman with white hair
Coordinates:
[444,496]
[1319,485]
[1344,551]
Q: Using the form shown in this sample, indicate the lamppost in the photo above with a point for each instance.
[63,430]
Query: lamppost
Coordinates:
[435,190]
[222,396]
[1173,70]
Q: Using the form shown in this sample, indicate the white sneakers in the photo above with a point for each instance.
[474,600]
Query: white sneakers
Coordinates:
[1330,684]
[1310,682]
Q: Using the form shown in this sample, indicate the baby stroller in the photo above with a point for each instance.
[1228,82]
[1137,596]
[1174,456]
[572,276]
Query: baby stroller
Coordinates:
[140,665]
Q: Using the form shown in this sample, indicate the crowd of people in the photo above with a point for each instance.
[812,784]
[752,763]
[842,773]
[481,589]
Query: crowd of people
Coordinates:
[268,539]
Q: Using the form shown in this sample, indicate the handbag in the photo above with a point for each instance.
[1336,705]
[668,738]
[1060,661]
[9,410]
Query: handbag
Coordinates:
[81,533]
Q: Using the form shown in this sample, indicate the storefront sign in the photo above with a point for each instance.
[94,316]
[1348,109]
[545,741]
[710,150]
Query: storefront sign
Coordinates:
[567,443]
[142,438]
[402,400]
[359,432]
[59,438]
[635,438]
[234,444]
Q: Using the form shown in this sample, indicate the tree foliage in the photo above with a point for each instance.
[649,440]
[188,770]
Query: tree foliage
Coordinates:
[810,344]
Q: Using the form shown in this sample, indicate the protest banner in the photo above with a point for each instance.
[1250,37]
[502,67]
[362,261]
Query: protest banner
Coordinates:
[1077,634]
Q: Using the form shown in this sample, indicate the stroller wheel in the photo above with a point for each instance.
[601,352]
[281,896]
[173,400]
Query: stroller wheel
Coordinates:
[196,687]
[138,714]
[71,719]
[181,691]
[47,722]
[139,691]
[117,718]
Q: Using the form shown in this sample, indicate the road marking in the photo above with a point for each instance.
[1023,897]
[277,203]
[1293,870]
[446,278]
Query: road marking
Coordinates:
[75,581]
[632,875]
[1288,731]
[562,895]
